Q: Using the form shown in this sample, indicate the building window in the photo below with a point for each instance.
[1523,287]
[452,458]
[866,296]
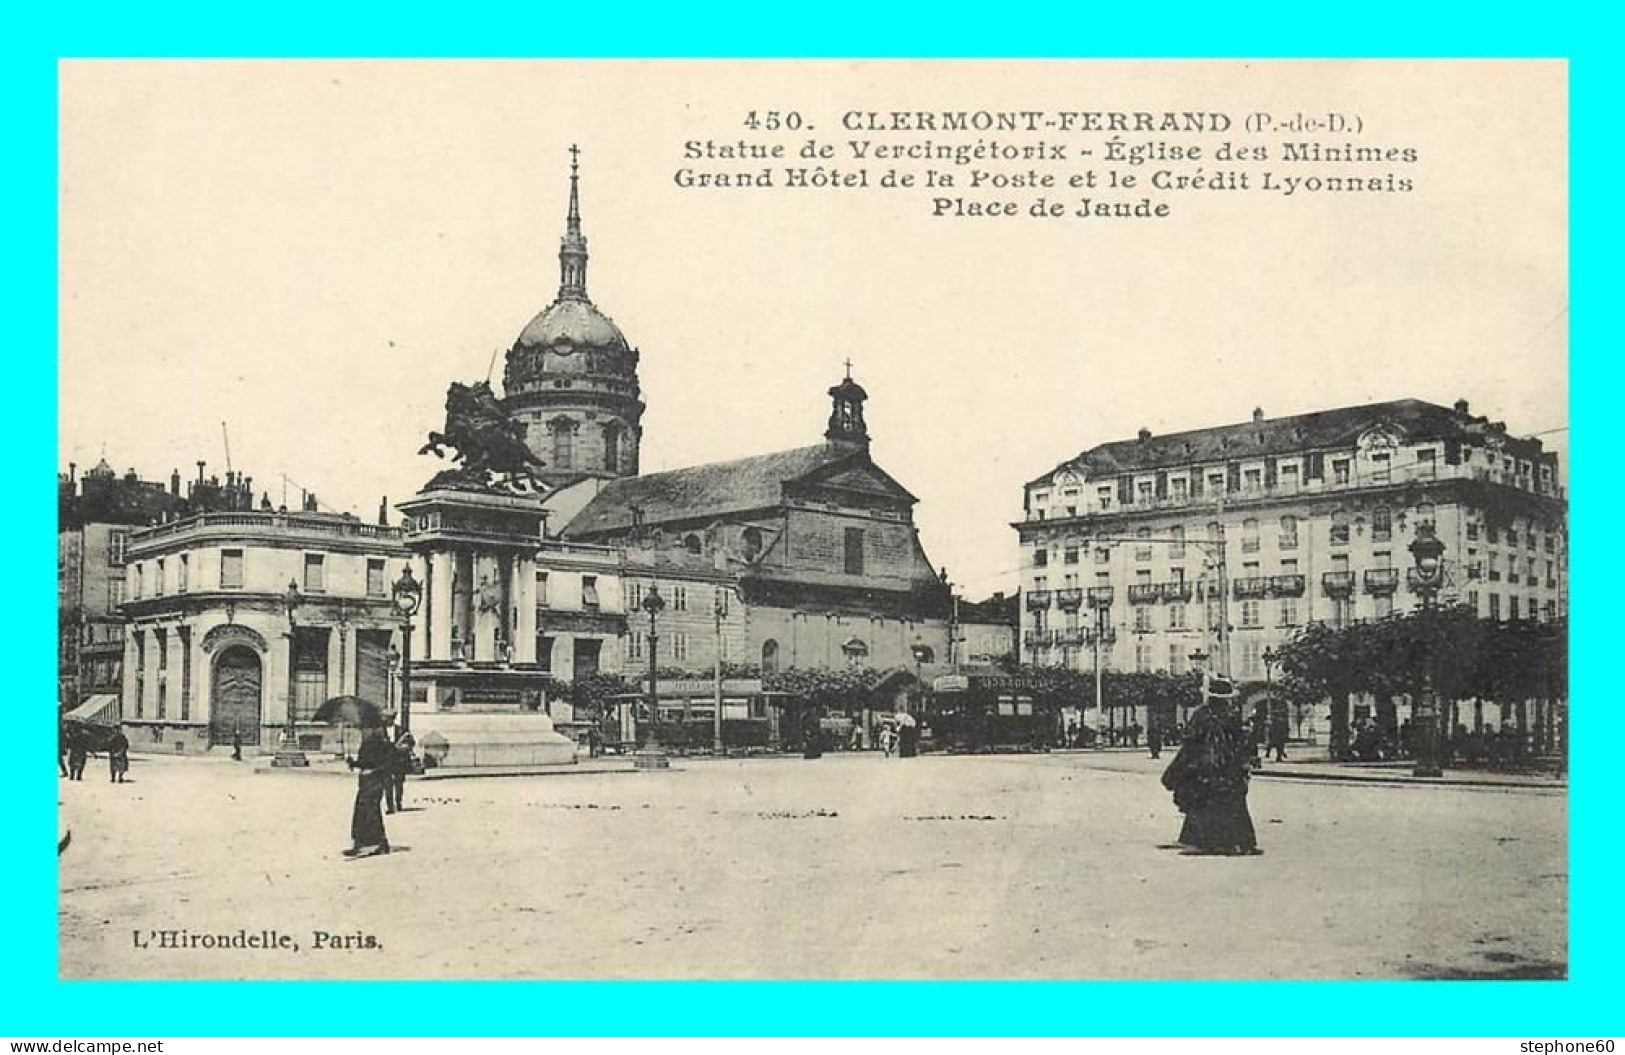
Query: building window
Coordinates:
[315,572]
[1142,656]
[375,577]
[1103,554]
[541,589]
[692,543]
[139,584]
[1340,470]
[1176,657]
[140,672]
[1181,488]
[1340,528]
[1249,535]
[612,447]
[589,591]
[679,598]
[1382,524]
[1143,550]
[1288,614]
[1069,555]
[1176,549]
[1144,491]
[1472,531]
[679,647]
[1251,659]
[231,569]
[564,436]
[854,551]
[544,652]
[1342,612]
[1512,607]
[1289,533]
[1289,477]
[1142,618]
[1252,480]
[1040,557]
[183,573]
[1380,473]
[634,595]
[117,542]
[158,578]
[634,645]
[1384,604]
[1495,606]
[1250,613]
[1426,465]
[1176,617]
[115,594]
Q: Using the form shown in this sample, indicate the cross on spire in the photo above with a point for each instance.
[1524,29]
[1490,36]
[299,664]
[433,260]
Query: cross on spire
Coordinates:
[849,368]
[573,249]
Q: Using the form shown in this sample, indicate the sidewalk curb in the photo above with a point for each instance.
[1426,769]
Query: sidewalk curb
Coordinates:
[1402,781]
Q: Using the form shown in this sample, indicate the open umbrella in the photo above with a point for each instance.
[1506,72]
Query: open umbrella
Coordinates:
[350,710]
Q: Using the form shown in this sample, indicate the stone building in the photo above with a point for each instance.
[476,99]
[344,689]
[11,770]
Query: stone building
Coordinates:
[1309,517]
[571,376]
[236,617]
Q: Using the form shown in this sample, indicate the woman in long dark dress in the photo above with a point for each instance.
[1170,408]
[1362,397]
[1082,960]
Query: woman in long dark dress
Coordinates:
[373,764]
[1209,777]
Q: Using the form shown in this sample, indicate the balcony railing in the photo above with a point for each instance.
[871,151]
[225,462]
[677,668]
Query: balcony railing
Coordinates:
[1144,593]
[1337,583]
[1035,638]
[1177,590]
[1286,585]
[1100,596]
[1070,638]
[1038,600]
[1381,580]
[260,521]
[1070,599]
[1253,586]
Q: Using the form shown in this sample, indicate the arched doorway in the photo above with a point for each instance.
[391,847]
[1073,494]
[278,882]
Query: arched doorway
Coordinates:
[234,700]
[770,656]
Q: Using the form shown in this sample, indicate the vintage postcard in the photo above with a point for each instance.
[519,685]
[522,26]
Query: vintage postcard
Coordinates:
[813,520]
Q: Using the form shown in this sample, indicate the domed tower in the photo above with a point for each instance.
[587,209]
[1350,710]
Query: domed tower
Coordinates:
[572,379]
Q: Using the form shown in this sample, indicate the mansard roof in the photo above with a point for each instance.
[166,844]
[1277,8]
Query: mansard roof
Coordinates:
[1318,431]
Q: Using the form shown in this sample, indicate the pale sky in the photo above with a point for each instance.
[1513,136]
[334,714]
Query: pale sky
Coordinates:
[312,251]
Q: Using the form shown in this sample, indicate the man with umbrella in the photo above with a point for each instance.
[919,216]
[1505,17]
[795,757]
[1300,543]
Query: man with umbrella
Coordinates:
[374,763]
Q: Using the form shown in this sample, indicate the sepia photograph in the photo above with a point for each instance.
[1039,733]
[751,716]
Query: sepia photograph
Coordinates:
[813,520]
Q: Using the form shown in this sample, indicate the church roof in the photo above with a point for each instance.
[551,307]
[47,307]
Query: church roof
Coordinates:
[574,321]
[704,491]
[1266,437]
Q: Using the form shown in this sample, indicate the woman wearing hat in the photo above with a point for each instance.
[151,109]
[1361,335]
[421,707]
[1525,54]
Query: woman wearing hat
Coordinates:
[1209,776]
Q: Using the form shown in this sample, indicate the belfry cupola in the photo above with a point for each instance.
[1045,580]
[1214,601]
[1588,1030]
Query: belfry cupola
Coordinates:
[571,376]
[846,412]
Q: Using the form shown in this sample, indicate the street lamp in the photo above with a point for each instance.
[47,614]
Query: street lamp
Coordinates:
[288,754]
[406,596]
[651,756]
[1428,552]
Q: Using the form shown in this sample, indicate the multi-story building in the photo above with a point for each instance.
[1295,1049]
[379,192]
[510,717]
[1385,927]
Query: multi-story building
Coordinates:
[234,618]
[1307,518]
[95,516]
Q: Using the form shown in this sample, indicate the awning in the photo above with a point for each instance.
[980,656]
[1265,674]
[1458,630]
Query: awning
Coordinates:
[100,709]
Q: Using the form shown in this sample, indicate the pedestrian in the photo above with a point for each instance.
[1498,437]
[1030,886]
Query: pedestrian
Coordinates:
[236,744]
[78,752]
[595,741]
[118,756]
[61,744]
[1153,736]
[372,766]
[908,735]
[405,762]
[1278,731]
[1209,777]
[812,735]
[888,740]
[1072,733]
[1134,735]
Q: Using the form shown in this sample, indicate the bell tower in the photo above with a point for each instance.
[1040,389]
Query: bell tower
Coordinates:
[846,412]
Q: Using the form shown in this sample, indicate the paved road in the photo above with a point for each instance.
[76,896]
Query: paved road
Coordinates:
[846,867]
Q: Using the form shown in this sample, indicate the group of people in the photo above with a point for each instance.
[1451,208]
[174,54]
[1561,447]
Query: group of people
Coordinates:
[74,746]
[382,765]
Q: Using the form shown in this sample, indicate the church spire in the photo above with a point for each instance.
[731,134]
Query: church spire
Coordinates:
[573,247]
[846,412]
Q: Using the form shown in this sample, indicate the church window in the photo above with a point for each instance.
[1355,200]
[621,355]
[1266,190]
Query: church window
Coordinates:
[691,542]
[854,551]
[563,444]
[612,447]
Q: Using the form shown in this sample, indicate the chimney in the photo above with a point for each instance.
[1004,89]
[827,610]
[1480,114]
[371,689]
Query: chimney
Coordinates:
[1258,415]
[175,483]
[1145,434]
[1462,407]
[200,466]
[73,469]
[383,511]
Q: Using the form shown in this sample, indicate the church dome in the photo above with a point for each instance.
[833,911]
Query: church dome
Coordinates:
[576,322]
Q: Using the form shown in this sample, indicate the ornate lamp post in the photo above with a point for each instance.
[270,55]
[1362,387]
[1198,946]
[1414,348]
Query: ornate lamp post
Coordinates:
[406,596]
[288,754]
[650,756]
[1428,552]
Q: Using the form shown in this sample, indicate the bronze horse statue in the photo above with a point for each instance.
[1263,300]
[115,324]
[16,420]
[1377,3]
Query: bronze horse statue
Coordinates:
[490,445]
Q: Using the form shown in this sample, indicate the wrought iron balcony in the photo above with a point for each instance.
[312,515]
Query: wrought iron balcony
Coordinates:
[1144,593]
[1287,585]
[1070,599]
[1100,596]
[1070,638]
[1038,600]
[1381,580]
[1253,586]
[1337,583]
[1035,638]
[1177,590]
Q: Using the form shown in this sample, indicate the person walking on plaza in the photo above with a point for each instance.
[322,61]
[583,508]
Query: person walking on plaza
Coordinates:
[888,740]
[118,756]
[372,764]
[77,754]
[1209,776]
[405,761]
[61,744]
[1278,732]
[1153,735]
